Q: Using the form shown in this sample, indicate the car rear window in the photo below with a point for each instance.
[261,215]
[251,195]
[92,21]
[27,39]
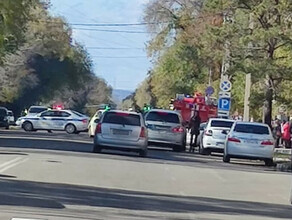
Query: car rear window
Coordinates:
[122,118]
[37,110]
[163,117]
[251,129]
[221,124]
[78,114]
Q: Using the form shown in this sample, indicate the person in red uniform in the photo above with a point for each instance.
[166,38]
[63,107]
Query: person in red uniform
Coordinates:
[286,136]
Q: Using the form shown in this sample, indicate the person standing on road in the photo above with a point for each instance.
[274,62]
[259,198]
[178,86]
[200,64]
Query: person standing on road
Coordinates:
[291,133]
[277,133]
[286,136]
[195,130]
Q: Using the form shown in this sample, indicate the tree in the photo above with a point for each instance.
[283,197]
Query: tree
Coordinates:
[47,67]
[143,94]
[259,42]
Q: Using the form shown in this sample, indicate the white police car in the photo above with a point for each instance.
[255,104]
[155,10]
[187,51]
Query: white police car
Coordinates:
[68,120]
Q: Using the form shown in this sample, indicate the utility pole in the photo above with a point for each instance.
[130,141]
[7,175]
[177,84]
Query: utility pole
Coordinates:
[248,77]
[246,97]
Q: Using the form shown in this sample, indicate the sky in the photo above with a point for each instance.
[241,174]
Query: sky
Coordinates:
[121,58]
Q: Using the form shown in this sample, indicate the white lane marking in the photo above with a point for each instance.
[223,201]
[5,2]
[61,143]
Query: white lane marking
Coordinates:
[21,160]
[10,162]
[26,219]
[47,139]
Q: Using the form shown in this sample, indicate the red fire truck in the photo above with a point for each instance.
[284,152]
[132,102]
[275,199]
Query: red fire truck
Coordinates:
[187,105]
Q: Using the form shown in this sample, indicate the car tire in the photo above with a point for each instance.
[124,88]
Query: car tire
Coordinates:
[70,129]
[226,158]
[27,126]
[143,153]
[177,148]
[204,151]
[7,127]
[97,149]
[269,162]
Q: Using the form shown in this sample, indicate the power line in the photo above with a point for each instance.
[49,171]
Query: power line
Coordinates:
[114,31]
[119,57]
[113,24]
[116,48]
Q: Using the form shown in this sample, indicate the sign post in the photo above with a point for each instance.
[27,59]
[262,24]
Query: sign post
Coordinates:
[224,101]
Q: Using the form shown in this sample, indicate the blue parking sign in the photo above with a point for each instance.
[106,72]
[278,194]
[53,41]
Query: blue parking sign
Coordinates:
[224,103]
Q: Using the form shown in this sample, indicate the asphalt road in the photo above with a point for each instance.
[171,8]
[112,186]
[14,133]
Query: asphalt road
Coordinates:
[55,176]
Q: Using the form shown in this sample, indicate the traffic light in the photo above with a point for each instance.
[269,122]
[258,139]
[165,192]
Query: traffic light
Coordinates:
[146,108]
[107,108]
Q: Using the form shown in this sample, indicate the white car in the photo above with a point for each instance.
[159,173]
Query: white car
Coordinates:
[250,140]
[34,110]
[120,130]
[93,122]
[213,138]
[70,121]
[165,129]
[11,119]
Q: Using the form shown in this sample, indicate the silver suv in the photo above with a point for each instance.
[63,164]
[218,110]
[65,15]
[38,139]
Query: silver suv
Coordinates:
[121,130]
[165,128]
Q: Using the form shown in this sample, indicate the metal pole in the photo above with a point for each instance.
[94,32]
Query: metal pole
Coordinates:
[246,97]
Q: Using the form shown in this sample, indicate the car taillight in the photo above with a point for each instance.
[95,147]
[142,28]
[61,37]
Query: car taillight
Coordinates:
[232,139]
[142,133]
[178,130]
[84,121]
[209,133]
[267,143]
[98,129]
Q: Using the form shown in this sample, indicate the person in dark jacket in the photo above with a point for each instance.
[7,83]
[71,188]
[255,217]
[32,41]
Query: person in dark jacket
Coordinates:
[194,126]
[277,133]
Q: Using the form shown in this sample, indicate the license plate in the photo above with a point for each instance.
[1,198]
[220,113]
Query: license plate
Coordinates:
[120,132]
[250,141]
[219,143]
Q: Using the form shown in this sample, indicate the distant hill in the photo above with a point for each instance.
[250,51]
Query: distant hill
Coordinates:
[119,94]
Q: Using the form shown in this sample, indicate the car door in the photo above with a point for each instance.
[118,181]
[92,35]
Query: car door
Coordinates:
[45,120]
[59,120]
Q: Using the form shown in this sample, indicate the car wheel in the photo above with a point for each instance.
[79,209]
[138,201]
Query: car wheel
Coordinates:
[27,126]
[177,148]
[204,151]
[143,153]
[97,149]
[184,145]
[70,129]
[269,162]
[7,127]
[226,158]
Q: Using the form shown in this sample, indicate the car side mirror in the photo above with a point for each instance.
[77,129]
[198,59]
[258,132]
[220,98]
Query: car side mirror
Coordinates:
[96,120]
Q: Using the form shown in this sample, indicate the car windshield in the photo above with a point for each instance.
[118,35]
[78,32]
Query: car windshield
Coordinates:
[251,129]
[221,124]
[37,109]
[162,117]
[122,118]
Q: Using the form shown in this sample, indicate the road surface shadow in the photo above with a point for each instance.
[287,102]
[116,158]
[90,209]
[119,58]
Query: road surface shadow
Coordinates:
[48,195]
[6,176]
[13,153]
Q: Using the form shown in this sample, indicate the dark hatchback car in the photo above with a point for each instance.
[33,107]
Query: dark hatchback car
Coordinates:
[4,122]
